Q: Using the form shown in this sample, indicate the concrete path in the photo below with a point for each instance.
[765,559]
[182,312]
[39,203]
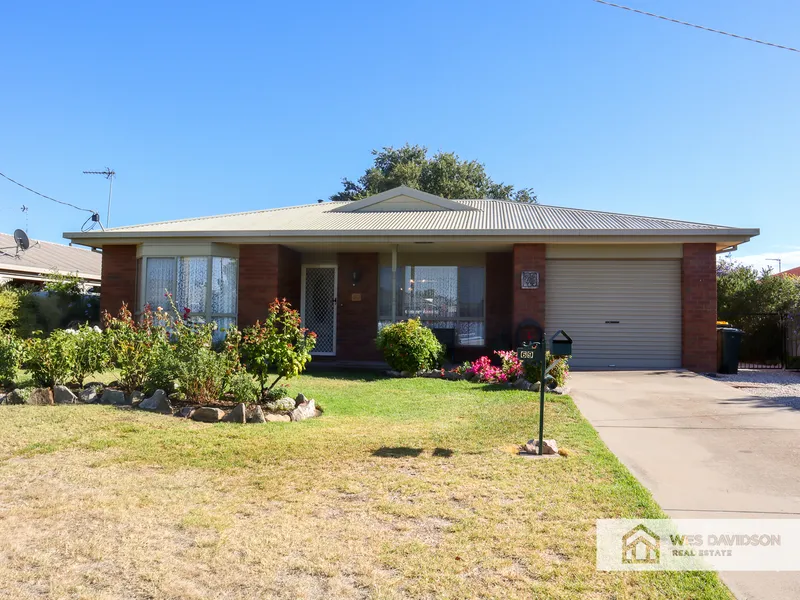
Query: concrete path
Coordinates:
[704,449]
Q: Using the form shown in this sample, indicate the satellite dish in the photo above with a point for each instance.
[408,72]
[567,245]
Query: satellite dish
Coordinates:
[21,238]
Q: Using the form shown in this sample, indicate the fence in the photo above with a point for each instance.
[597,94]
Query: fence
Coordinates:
[770,340]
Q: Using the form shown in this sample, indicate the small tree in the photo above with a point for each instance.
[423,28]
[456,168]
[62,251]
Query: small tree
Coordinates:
[279,346]
[743,290]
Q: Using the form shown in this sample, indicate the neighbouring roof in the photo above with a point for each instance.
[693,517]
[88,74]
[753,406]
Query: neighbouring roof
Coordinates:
[42,258]
[406,212]
[795,272]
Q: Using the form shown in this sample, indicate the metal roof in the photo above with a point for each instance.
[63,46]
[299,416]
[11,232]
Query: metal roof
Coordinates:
[494,217]
[44,257]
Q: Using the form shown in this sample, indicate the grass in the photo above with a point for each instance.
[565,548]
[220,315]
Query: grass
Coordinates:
[403,489]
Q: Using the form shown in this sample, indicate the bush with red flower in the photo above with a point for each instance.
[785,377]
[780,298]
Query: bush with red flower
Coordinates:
[278,346]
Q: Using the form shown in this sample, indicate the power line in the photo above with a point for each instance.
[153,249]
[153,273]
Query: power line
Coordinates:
[733,35]
[47,197]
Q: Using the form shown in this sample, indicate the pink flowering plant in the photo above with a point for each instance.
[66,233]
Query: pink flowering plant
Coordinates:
[510,369]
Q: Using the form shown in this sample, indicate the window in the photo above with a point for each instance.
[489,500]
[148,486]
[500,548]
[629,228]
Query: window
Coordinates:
[445,297]
[206,285]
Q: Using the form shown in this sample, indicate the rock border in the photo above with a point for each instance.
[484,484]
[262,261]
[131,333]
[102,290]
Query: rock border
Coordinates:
[284,410]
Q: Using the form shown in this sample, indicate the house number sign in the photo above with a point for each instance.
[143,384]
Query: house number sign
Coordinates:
[529,280]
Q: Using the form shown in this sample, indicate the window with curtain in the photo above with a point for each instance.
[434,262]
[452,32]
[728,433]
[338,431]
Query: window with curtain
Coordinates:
[441,297]
[206,285]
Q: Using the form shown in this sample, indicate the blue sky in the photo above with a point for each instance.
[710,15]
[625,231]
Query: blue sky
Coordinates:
[206,108]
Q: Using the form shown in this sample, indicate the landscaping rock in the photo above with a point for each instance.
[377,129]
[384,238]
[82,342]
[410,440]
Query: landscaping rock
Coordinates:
[40,397]
[206,414]
[89,395]
[237,415]
[63,395]
[522,384]
[116,397]
[273,418]
[550,447]
[281,405]
[158,402]
[93,384]
[2,398]
[18,396]
[299,399]
[256,415]
[186,412]
[304,411]
[406,374]
[134,398]
[393,373]
[453,376]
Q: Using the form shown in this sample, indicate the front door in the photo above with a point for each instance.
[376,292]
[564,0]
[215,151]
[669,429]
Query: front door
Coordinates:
[319,306]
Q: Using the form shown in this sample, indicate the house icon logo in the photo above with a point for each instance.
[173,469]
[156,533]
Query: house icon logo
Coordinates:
[640,546]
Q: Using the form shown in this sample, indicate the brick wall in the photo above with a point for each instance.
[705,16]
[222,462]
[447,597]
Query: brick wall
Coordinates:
[258,281]
[528,304]
[499,300]
[357,321]
[699,307]
[289,275]
[118,278]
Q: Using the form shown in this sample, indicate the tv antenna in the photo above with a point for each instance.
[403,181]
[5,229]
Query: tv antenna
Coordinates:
[108,174]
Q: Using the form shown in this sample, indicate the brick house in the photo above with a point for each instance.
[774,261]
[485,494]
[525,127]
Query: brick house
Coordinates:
[633,292]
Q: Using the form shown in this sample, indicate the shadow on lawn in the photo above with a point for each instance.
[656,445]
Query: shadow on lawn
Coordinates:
[406,451]
[346,375]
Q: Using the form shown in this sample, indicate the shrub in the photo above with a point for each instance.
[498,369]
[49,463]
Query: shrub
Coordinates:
[10,351]
[275,393]
[559,373]
[278,346]
[200,372]
[51,360]
[9,307]
[134,347]
[91,352]
[409,346]
[244,387]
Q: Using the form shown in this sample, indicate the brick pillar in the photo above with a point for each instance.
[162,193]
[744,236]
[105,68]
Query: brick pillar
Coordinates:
[258,281]
[289,274]
[118,278]
[528,304]
[357,319]
[499,300]
[699,307]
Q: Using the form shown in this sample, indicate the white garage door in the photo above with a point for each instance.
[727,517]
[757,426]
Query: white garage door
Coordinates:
[623,314]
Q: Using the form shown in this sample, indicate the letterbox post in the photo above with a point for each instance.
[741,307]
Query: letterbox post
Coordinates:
[541,393]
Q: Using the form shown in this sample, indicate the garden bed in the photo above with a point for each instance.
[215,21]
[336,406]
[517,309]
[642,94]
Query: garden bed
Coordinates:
[285,409]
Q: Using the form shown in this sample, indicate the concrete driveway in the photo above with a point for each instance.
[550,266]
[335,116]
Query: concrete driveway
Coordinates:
[704,449]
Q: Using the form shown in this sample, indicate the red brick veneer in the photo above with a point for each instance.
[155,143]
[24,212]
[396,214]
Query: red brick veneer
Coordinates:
[118,278]
[529,304]
[699,307]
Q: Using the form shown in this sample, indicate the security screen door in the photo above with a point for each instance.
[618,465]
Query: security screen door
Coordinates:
[319,306]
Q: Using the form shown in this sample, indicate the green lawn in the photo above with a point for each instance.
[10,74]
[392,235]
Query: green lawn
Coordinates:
[402,489]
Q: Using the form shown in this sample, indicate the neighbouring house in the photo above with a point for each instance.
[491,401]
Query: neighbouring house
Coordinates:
[631,291]
[36,264]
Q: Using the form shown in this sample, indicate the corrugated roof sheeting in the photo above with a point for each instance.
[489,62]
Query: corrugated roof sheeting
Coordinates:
[43,257]
[491,215]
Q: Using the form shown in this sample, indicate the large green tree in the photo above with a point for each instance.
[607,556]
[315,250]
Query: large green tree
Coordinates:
[743,290]
[443,174]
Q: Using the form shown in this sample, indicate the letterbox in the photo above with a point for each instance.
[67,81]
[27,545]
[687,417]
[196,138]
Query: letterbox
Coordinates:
[561,344]
[531,352]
